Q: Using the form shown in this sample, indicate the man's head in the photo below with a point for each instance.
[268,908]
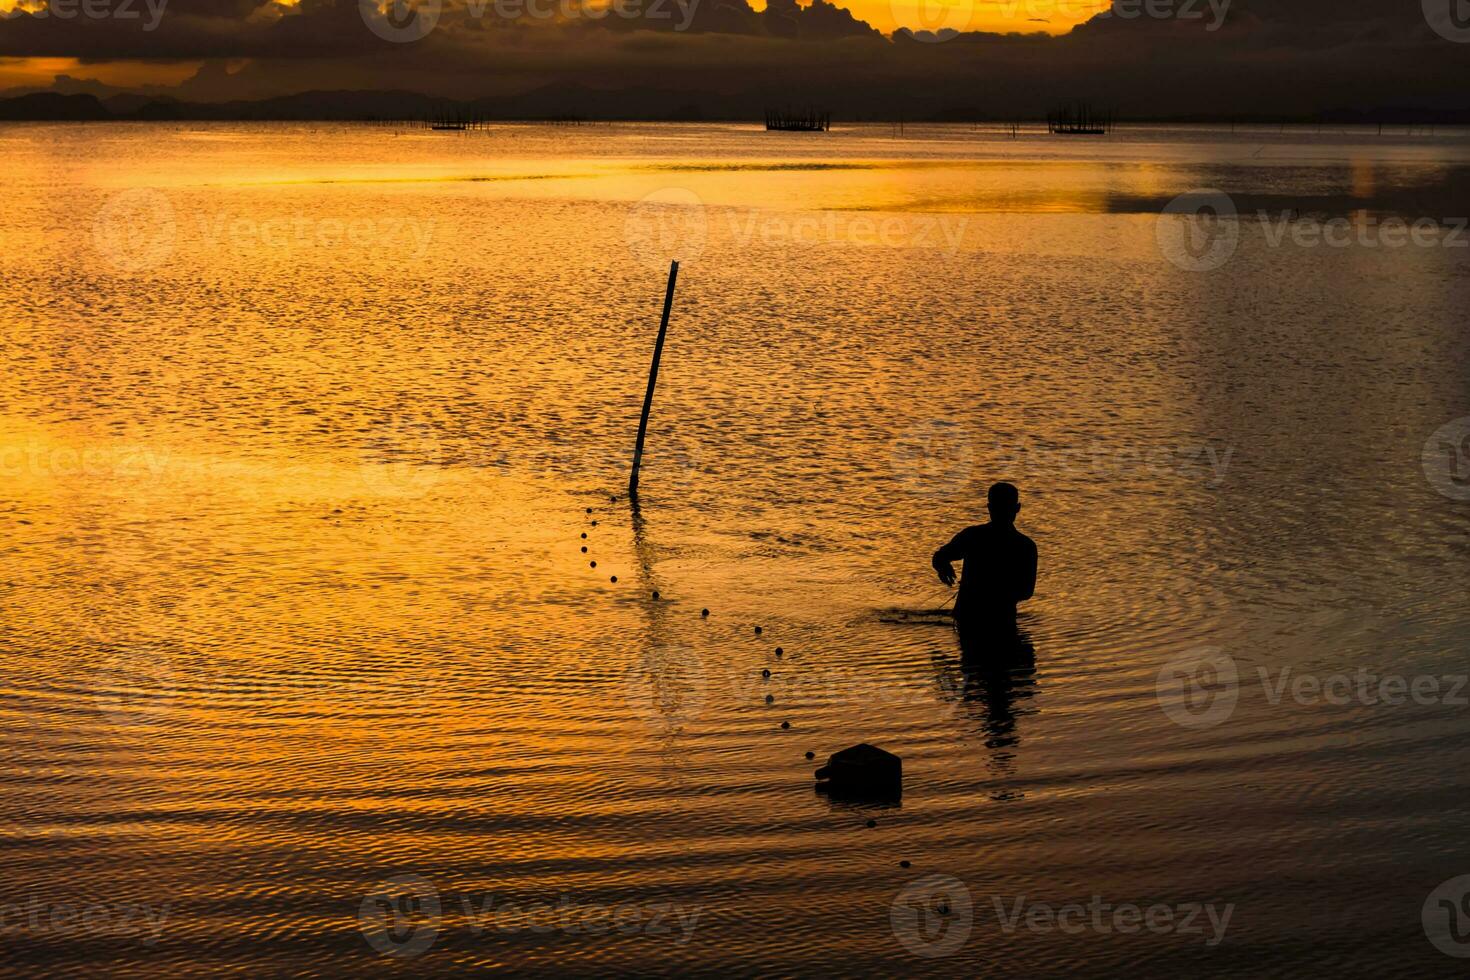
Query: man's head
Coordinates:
[1003,501]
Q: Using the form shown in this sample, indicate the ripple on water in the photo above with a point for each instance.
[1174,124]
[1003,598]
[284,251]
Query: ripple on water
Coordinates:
[295,603]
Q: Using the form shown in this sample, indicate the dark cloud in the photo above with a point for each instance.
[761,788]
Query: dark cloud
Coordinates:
[721,57]
[820,21]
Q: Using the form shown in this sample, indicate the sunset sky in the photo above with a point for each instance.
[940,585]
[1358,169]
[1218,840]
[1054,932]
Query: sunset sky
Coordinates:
[966,58]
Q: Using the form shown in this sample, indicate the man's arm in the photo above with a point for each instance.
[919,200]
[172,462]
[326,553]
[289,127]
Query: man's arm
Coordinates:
[945,556]
[1026,581]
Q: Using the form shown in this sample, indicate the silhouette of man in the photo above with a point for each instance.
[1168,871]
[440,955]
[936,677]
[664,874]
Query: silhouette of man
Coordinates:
[1000,568]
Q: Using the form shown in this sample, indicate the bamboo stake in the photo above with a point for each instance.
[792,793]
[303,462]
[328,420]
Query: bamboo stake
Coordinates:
[658,350]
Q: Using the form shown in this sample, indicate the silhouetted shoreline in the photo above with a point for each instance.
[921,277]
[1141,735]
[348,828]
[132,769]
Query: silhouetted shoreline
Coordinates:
[553,103]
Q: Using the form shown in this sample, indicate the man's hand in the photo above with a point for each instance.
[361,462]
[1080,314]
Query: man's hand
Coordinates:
[946,572]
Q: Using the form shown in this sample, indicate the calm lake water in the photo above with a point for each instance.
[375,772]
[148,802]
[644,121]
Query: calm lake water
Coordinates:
[304,670]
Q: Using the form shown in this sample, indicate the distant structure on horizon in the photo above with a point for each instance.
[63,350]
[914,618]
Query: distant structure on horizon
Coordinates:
[453,120]
[810,121]
[1079,119]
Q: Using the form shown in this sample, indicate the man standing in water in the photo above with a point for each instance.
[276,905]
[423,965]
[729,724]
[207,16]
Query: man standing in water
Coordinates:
[1000,569]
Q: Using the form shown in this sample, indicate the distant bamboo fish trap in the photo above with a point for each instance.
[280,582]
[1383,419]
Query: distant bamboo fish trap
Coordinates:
[809,121]
[450,121]
[1079,119]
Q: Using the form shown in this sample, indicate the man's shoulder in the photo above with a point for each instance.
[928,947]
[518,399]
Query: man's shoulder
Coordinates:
[1012,535]
[992,532]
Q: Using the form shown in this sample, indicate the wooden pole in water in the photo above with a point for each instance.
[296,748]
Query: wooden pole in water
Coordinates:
[658,350]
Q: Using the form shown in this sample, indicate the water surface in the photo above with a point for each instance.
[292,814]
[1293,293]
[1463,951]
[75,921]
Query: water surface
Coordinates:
[300,434]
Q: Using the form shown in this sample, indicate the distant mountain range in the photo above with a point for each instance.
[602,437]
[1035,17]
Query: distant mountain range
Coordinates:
[552,102]
[565,101]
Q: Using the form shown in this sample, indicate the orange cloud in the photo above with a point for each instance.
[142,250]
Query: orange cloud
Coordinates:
[26,72]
